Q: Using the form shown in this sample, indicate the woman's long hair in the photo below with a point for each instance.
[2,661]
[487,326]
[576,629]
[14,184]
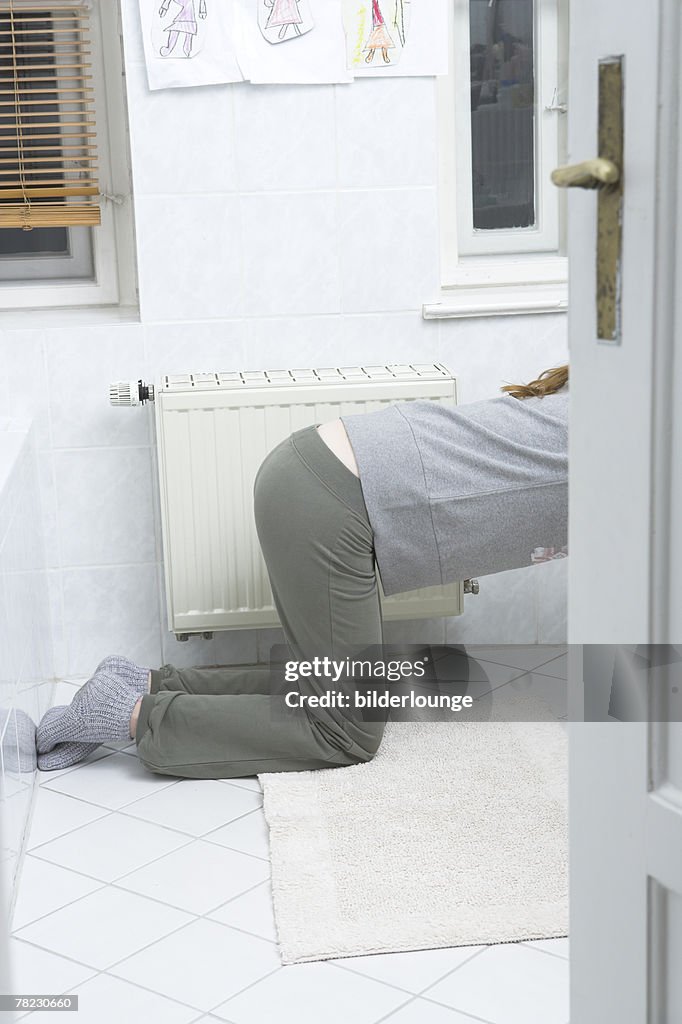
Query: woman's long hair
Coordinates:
[547,383]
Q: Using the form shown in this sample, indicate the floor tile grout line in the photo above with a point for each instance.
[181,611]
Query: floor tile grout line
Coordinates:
[534,672]
[64,956]
[469,959]
[514,679]
[203,1016]
[396,1009]
[241,931]
[244,853]
[55,776]
[417,995]
[113,881]
[111,753]
[244,789]
[103,883]
[136,952]
[503,664]
[190,840]
[246,988]
[245,892]
[239,817]
[196,839]
[76,828]
[549,661]
[36,920]
[99,972]
[483,1020]
[205,916]
[172,906]
[111,967]
[95,821]
[69,796]
[466,1013]
[370,977]
[549,714]
[104,971]
[547,952]
[148,945]
[543,675]
[62,867]
[236,897]
[203,835]
[154,991]
[129,802]
[47,778]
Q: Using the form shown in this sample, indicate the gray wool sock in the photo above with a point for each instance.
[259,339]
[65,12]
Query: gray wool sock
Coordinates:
[135,675]
[68,753]
[100,711]
[64,754]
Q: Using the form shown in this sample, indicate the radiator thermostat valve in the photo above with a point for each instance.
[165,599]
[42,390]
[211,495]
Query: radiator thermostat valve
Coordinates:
[130,392]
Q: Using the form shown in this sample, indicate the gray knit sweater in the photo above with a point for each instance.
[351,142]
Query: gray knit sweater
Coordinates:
[456,492]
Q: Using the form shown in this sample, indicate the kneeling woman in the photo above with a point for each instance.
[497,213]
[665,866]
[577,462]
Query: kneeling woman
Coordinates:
[429,493]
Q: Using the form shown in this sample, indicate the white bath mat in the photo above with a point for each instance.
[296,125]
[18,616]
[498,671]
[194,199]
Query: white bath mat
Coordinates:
[454,835]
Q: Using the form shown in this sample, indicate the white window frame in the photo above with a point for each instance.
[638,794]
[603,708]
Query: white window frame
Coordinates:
[524,270]
[113,240]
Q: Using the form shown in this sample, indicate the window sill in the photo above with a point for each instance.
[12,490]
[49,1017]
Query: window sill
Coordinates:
[498,300]
[69,316]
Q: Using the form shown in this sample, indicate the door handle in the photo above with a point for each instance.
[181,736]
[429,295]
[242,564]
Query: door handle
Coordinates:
[597,173]
[604,173]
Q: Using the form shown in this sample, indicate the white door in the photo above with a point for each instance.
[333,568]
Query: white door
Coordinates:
[625,501]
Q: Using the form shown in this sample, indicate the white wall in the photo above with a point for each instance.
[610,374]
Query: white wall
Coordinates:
[25,647]
[275,226]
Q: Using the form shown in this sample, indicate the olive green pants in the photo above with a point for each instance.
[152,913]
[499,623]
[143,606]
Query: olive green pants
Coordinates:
[227,721]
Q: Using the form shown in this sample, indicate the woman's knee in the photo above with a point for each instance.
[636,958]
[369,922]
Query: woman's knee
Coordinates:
[156,769]
[367,746]
[364,756]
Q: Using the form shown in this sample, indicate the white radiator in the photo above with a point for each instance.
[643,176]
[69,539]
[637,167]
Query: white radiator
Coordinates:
[213,432]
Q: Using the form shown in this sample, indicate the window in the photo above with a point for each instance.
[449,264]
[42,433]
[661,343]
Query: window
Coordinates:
[60,214]
[502,130]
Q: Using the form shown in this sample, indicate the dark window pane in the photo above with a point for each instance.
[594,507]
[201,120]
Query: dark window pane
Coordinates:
[502,113]
[36,242]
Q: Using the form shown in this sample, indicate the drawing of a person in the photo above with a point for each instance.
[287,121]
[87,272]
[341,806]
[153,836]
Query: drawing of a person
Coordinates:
[379,38]
[284,13]
[185,23]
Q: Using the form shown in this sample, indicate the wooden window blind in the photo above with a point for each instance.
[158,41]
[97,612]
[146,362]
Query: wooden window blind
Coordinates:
[48,155]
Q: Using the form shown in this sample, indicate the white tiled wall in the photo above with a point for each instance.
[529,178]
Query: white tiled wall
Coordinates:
[26,671]
[275,226]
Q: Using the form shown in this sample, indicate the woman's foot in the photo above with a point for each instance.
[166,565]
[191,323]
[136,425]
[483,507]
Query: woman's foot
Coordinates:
[63,755]
[102,710]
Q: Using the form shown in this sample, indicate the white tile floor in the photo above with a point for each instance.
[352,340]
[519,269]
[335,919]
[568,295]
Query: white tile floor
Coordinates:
[149,897]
